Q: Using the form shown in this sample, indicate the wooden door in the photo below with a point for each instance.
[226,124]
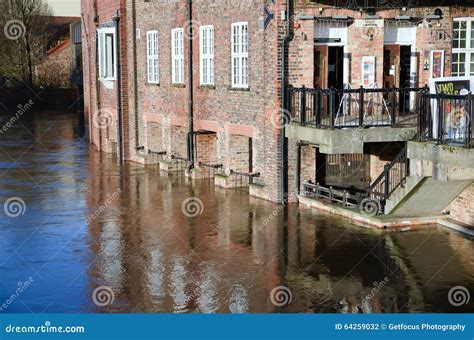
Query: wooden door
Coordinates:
[391,66]
[321,66]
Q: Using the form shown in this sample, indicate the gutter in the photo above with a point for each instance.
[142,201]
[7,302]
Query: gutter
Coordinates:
[190,137]
[283,140]
[119,87]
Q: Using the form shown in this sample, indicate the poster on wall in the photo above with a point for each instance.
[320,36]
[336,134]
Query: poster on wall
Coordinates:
[368,72]
[437,64]
[454,112]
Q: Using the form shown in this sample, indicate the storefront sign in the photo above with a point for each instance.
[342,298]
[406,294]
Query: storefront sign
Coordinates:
[327,40]
[437,64]
[368,72]
[454,115]
[367,23]
[361,4]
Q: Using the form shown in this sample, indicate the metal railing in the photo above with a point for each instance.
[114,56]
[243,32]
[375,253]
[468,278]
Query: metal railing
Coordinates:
[334,195]
[394,175]
[447,119]
[362,107]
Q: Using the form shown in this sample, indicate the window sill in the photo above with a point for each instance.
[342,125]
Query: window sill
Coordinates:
[179,86]
[207,87]
[152,84]
[239,89]
[108,83]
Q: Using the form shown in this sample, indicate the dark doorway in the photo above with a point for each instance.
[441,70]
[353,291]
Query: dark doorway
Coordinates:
[336,67]
[405,63]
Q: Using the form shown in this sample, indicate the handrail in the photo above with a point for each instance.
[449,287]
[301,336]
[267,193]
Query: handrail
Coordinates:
[394,175]
[345,108]
[334,195]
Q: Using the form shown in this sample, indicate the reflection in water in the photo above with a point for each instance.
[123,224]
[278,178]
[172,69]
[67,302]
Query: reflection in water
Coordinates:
[91,222]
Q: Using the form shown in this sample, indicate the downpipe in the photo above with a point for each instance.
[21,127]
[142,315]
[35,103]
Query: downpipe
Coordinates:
[190,136]
[283,140]
[119,87]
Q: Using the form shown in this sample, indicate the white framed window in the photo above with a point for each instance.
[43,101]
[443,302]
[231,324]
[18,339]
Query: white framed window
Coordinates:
[177,51]
[462,60]
[107,54]
[152,57]
[240,55]
[206,34]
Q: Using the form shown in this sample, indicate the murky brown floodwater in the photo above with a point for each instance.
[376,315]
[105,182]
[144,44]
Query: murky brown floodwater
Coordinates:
[90,222]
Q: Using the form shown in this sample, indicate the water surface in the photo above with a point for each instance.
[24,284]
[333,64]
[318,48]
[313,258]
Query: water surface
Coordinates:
[90,222]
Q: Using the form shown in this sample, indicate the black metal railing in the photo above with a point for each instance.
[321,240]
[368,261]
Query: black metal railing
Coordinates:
[334,195]
[362,107]
[447,119]
[393,176]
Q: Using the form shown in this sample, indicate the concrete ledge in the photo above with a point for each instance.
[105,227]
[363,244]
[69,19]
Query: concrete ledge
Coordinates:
[172,166]
[199,173]
[442,162]
[458,226]
[375,221]
[230,182]
[348,140]
[145,159]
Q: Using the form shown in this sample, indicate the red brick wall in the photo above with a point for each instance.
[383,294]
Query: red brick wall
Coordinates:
[100,101]
[462,209]
[428,38]
[231,112]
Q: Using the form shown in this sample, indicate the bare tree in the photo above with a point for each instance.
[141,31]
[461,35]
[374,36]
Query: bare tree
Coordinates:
[25,37]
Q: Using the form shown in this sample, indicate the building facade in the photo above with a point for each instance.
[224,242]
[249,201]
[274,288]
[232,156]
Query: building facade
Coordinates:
[271,94]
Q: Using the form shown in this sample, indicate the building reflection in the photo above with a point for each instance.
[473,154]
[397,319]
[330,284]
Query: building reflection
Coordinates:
[229,258]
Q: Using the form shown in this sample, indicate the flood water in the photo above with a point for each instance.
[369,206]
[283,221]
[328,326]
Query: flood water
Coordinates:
[88,222]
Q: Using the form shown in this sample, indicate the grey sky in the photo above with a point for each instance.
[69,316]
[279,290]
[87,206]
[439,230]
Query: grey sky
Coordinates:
[65,7]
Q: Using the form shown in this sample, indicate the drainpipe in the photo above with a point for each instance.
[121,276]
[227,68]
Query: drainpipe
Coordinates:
[190,139]
[119,87]
[298,168]
[283,141]
[135,79]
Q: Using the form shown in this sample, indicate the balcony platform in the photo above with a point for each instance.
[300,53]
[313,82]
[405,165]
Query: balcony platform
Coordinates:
[348,140]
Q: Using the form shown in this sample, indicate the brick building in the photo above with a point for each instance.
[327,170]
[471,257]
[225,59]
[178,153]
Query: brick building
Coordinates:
[196,86]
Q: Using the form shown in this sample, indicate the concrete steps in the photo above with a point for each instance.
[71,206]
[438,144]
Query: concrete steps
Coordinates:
[402,191]
[427,196]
